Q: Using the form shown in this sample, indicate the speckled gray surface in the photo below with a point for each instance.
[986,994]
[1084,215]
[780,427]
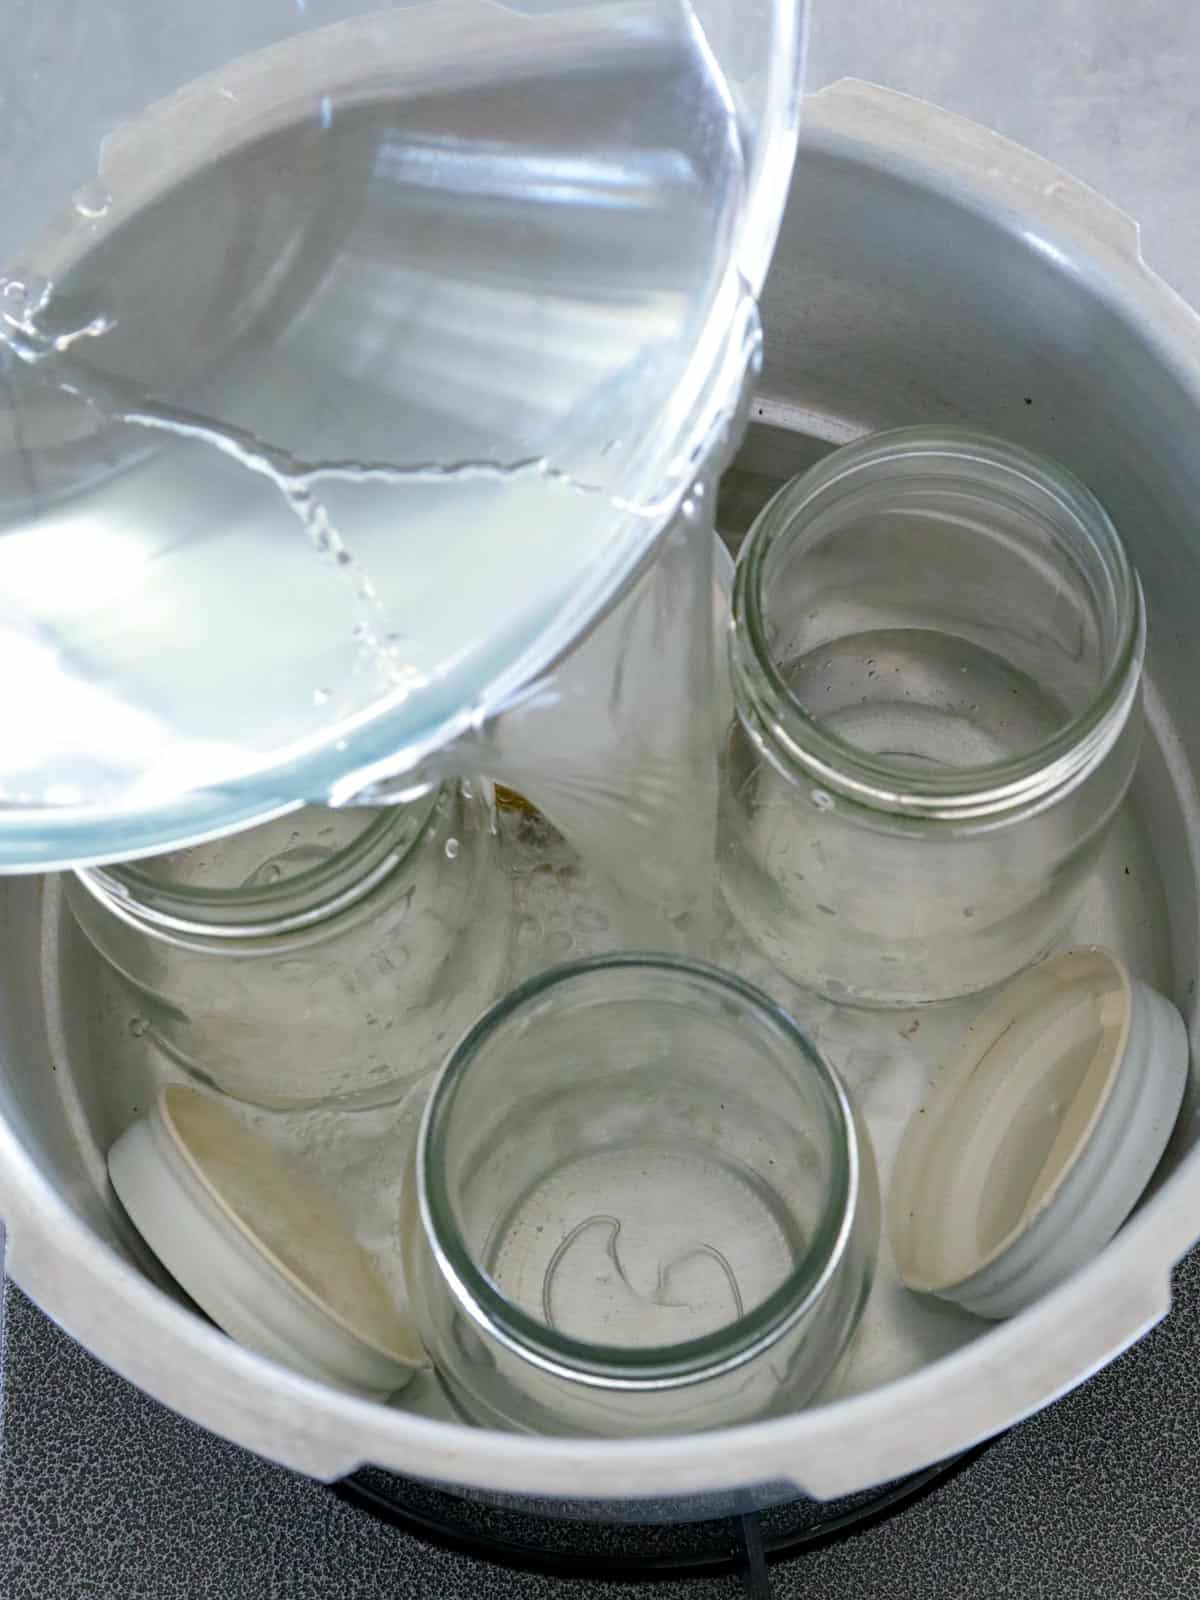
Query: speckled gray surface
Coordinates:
[106,1496]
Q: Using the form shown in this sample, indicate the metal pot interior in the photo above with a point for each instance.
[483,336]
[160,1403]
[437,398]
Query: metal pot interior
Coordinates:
[901,292]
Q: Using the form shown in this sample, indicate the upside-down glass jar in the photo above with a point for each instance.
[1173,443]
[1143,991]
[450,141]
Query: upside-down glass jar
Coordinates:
[326,957]
[641,1203]
[936,650]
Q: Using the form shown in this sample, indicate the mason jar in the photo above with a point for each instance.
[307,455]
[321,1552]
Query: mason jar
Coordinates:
[641,1202]
[330,956]
[936,647]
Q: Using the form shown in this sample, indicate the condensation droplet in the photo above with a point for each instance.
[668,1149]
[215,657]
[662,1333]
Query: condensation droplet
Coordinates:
[451,849]
[93,200]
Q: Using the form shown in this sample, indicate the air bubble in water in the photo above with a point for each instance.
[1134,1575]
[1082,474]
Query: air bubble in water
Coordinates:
[822,800]
[320,697]
[138,1027]
[93,200]
[326,114]
[451,849]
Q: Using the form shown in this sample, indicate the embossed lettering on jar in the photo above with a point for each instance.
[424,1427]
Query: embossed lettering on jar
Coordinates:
[936,652]
[329,956]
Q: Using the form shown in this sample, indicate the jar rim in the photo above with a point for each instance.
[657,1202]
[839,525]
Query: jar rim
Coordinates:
[785,731]
[265,910]
[649,1367]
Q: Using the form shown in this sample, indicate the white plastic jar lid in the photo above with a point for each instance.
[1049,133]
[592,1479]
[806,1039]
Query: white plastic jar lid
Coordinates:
[259,1246]
[1040,1134]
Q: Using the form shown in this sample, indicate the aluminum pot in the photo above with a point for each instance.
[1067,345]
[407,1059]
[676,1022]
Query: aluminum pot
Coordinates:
[927,269]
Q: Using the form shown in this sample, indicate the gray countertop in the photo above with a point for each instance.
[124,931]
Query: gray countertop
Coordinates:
[1108,89]
[104,1494]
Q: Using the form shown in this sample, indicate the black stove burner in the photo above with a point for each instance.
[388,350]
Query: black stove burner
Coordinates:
[544,1537]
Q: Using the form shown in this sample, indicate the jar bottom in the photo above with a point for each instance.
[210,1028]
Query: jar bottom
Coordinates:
[644,1245]
[924,698]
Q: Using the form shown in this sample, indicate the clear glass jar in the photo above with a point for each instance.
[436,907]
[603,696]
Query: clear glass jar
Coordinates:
[329,956]
[641,1203]
[936,650]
